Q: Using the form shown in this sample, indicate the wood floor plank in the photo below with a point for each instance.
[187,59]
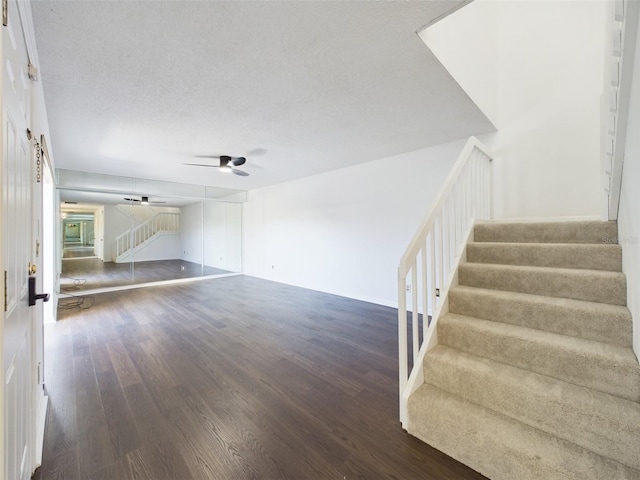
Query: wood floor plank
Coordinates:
[230,453]
[64,466]
[159,448]
[122,431]
[232,378]
[100,355]
[202,459]
[138,466]
[95,451]
[89,412]
[61,413]
[122,364]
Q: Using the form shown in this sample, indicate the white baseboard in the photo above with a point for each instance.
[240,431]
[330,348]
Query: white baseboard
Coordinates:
[584,218]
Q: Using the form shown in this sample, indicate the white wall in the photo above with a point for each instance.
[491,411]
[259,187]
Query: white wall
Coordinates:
[115,224]
[191,232]
[165,246]
[142,213]
[629,214]
[223,235]
[536,70]
[344,231]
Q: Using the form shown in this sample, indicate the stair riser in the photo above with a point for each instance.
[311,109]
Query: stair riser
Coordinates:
[589,257]
[593,371]
[501,448]
[563,410]
[602,287]
[602,323]
[571,232]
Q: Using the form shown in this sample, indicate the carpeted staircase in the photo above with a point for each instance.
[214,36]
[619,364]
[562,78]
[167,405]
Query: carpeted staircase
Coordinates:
[534,376]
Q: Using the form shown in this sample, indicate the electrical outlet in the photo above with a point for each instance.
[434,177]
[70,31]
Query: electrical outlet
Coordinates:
[409,288]
[437,292]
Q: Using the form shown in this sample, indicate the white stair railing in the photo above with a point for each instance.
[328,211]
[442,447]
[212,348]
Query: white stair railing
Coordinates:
[164,222]
[426,268]
[616,95]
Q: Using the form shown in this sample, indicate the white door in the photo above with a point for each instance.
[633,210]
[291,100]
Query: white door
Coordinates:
[17,253]
[42,202]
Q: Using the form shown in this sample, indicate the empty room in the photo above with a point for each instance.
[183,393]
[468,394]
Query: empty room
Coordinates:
[320,239]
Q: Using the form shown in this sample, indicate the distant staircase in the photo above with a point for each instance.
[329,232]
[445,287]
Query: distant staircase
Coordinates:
[533,375]
[134,240]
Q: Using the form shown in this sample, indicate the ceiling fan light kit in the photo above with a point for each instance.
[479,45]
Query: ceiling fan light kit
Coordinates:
[226,164]
[144,200]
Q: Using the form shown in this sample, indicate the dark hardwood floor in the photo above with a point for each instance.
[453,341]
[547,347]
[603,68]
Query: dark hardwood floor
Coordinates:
[74,251]
[231,378]
[88,273]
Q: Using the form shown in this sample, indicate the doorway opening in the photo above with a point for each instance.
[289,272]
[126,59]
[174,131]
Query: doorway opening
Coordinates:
[78,234]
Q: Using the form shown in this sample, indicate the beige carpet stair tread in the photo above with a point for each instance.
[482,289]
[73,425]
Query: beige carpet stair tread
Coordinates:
[534,375]
[578,318]
[589,285]
[548,232]
[603,367]
[601,423]
[502,448]
[558,255]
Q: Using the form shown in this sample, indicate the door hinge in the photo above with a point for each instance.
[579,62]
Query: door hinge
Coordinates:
[5,12]
[32,72]
[5,291]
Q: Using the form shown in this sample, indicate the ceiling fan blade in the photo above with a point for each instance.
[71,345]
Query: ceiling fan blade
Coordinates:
[237,161]
[157,202]
[202,164]
[206,156]
[240,172]
[131,199]
[256,151]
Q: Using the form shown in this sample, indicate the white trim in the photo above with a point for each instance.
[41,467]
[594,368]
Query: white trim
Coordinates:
[47,163]
[441,197]
[26,21]
[80,258]
[416,378]
[627,55]
[40,424]
[583,218]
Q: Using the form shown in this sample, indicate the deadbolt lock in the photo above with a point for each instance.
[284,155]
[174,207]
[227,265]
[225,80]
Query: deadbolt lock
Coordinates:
[32,269]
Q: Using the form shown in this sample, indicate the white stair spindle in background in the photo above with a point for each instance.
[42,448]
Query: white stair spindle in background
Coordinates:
[440,241]
[136,238]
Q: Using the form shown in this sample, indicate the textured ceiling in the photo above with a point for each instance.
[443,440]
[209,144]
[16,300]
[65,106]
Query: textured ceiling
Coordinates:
[136,88]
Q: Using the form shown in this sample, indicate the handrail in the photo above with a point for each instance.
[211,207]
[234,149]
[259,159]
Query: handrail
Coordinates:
[426,267]
[164,222]
[617,92]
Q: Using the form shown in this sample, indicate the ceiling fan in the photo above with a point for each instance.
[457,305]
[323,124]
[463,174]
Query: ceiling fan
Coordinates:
[226,164]
[143,200]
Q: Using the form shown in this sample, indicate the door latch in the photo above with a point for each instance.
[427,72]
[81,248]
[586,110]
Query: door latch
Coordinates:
[33,296]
